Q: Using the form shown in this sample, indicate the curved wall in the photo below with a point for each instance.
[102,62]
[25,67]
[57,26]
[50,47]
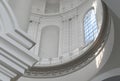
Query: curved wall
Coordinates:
[71,35]
[107,75]
[88,71]
[91,68]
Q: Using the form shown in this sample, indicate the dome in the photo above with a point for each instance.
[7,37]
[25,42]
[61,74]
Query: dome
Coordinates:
[53,38]
[61,38]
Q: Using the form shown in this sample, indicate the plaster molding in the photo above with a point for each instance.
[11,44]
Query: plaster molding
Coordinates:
[15,57]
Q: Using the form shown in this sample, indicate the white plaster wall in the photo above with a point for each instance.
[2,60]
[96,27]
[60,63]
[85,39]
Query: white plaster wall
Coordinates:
[114,5]
[12,3]
[38,6]
[52,6]
[22,10]
[99,12]
[92,68]
[49,43]
[87,72]
[66,5]
[71,26]
[108,74]
[111,68]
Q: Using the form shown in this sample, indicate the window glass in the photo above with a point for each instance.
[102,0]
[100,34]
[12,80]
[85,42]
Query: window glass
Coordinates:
[90,26]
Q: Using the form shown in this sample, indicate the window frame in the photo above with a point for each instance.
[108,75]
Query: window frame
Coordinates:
[94,37]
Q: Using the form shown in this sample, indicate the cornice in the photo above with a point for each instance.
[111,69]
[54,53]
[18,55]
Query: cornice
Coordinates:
[81,61]
[15,57]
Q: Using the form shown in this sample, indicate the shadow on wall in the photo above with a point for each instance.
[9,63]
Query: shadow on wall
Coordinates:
[114,78]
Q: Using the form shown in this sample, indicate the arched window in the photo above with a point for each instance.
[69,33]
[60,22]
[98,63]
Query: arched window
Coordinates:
[90,26]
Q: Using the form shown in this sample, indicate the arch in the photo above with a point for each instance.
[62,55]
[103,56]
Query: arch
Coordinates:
[49,42]
[95,54]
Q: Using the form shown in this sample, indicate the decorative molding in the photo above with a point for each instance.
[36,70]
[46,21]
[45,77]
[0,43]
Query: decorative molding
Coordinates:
[22,38]
[81,61]
[15,56]
[12,28]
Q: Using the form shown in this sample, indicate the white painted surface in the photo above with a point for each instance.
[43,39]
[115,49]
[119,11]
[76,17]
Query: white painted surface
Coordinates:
[69,77]
[38,6]
[108,74]
[52,6]
[86,73]
[114,5]
[49,44]
[22,10]
[12,63]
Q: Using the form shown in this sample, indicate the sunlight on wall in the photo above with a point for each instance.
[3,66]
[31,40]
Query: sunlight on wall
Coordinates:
[99,58]
[95,5]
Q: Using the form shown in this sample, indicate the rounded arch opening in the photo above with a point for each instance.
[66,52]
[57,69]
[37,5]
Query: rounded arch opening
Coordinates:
[49,42]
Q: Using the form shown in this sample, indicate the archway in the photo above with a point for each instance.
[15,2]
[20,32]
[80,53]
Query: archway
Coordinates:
[49,42]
